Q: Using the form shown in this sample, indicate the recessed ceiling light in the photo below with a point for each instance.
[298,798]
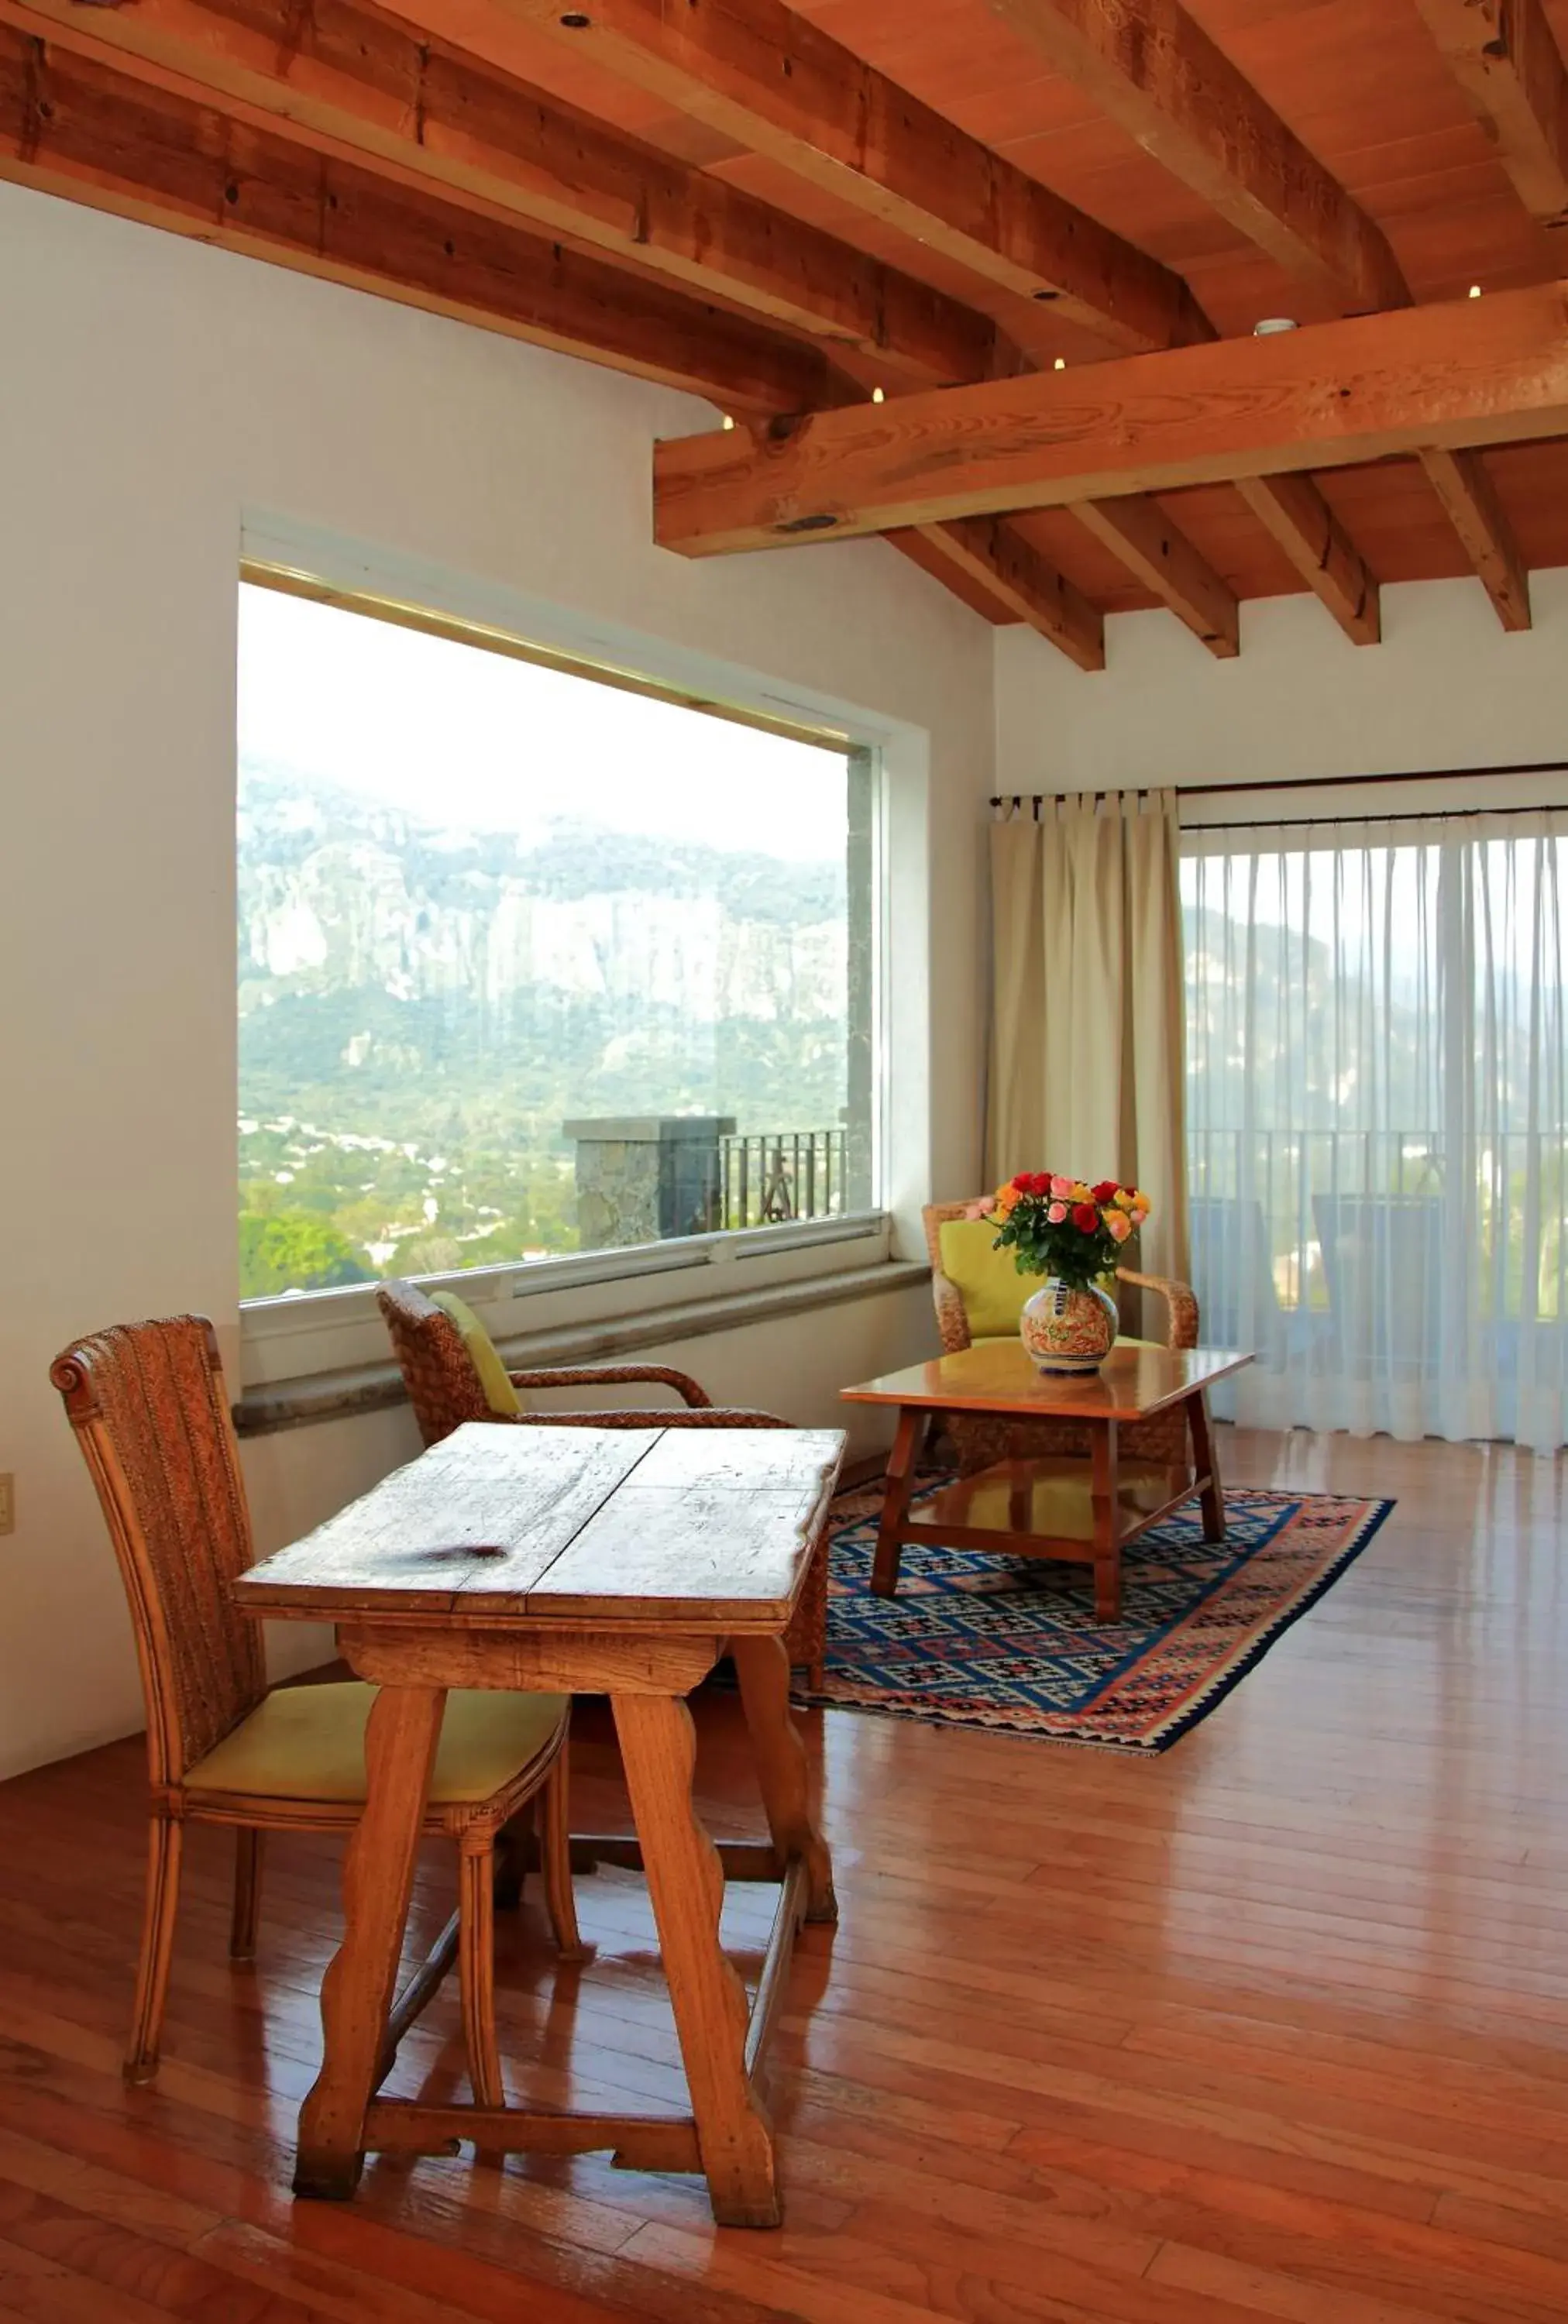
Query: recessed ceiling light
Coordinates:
[1272,323]
[727,421]
[1475,290]
[877,395]
[1060,363]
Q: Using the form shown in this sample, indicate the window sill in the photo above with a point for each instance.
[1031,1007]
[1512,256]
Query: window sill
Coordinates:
[348,1390]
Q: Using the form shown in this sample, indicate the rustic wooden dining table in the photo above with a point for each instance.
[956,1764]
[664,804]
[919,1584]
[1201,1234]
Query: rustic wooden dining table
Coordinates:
[612,1561]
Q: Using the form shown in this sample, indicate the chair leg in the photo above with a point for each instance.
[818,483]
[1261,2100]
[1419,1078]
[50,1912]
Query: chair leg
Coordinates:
[247,1893]
[555,1856]
[165,1837]
[512,1854]
[476,1967]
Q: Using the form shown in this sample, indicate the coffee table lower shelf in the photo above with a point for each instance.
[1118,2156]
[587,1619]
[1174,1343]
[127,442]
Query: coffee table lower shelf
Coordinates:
[1048,1508]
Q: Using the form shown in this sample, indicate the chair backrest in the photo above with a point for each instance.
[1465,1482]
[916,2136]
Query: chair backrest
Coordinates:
[444,1388]
[151,1413]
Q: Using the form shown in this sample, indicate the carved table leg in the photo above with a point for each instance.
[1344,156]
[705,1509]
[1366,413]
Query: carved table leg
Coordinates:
[901,1484]
[783,1771]
[1107,1521]
[401,1737]
[734,2136]
[1205,1464]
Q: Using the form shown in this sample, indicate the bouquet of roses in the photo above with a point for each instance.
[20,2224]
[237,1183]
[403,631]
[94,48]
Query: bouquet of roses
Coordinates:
[1061,1226]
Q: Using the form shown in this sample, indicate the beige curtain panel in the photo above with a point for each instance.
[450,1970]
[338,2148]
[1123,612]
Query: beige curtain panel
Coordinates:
[1088,1054]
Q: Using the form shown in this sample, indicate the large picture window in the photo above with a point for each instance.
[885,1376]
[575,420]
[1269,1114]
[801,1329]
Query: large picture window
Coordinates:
[533,964]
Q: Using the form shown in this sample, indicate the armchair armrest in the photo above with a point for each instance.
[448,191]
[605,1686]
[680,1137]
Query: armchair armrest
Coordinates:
[609,1375]
[951,1321]
[707,1416]
[1181,1299]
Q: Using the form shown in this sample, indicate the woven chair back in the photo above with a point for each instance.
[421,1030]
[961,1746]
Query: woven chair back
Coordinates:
[151,1413]
[443,1386]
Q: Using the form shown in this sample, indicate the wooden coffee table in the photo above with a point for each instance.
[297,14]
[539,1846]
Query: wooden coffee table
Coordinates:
[1084,1509]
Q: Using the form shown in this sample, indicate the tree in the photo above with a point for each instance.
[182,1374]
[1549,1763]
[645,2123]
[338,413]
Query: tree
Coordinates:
[290,1250]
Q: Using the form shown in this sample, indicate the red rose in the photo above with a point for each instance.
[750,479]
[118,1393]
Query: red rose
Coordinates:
[1086,1217]
[1023,1182]
[1105,1191]
[1040,1184]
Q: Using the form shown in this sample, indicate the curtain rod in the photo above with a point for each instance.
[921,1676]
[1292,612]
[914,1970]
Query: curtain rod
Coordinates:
[1312,783]
[1315,822]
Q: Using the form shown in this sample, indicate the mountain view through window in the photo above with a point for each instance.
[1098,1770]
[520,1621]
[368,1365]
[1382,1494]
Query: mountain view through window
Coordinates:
[530,964]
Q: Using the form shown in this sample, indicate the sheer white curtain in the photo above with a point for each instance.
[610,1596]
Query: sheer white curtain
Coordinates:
[1378,1121]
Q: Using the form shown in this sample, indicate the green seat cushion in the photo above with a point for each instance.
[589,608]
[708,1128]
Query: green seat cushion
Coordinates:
[499,1393]
[307,1743]
[987,1281]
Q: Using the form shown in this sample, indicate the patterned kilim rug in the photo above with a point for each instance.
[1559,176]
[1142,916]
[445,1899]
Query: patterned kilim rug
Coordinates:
[1011,1643]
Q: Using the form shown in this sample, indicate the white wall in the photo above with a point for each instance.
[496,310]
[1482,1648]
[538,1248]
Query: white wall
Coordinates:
[1447,688]
[153,395]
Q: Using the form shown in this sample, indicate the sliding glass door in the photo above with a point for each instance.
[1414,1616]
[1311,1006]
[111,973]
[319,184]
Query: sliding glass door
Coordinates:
[1378,1120]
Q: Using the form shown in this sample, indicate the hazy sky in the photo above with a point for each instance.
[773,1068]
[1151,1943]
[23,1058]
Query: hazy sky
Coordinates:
[455,735]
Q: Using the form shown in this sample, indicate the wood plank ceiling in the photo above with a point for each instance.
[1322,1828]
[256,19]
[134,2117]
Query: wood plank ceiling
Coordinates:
[789,209]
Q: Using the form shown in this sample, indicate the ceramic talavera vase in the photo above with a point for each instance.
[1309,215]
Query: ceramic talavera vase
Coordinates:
[1066,1329]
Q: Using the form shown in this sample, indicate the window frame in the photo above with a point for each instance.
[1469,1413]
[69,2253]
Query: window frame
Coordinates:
[293,1335]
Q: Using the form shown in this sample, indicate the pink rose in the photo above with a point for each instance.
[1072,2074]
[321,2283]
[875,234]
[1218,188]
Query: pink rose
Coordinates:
[1056,1213]
[978,1210]
[1063,1187]
[1119,1225]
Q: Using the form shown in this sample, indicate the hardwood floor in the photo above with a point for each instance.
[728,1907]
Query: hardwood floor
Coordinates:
[1273,2026]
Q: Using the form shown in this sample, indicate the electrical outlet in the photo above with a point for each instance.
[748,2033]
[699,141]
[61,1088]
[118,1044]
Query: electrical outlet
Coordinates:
[7,1503]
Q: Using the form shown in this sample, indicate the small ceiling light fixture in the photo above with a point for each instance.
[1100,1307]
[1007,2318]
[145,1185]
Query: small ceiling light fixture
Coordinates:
[726,421]
[1060,363]
[574,20]
[877,395]
[1475,290]
[1272,323]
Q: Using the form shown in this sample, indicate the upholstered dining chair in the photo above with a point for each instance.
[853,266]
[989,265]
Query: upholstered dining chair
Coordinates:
[454,1372]
[978,1295]
[151,1414]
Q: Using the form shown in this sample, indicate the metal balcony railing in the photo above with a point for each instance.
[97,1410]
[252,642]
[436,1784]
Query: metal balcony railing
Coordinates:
[768,1177]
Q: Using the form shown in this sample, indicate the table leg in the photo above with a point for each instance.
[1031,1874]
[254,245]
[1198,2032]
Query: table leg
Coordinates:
[401,1737]
[1107,1521]
[901,1484]
[783,1771]
[734,2136]
[1205,1464]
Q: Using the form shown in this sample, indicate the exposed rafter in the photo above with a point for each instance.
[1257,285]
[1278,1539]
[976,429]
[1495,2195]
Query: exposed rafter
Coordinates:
[997,560]
[70,126]
[1293,511]
[1137,530]
[1474,372]
[1155,71]
[779,86]
[355,84]
[1504,56]
[1461,483]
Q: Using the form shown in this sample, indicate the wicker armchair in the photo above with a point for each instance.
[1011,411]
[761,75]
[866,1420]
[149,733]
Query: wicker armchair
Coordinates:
[977,1441]
[151,1415]
[445,1390]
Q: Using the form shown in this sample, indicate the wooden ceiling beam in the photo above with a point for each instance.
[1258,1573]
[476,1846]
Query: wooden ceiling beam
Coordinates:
[1137,530]
[1505,57]
[358,84]
[1473,372]
[997,561]
[1295,511]
[1155,71]
[775,83]
[71,126]
[1467,495]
